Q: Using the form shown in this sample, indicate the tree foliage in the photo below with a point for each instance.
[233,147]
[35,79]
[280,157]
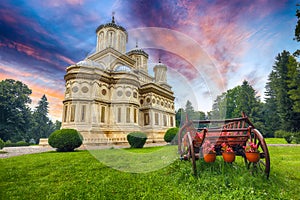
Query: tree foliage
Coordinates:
[42,126]
[190,112]
[282,94]
[293,82]
[233,102]
[17,121]
[14,111]
[297,30]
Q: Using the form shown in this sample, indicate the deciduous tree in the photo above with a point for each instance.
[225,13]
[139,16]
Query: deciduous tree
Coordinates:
[15,114]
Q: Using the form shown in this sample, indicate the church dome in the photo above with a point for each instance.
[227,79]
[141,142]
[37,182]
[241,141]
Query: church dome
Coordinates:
[111,24]
[111,35]
[122,68]
[90,63]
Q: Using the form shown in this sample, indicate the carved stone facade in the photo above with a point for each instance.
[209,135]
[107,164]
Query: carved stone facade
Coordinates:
[110,93]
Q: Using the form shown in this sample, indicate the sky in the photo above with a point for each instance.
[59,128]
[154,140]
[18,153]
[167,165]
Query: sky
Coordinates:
[209,46]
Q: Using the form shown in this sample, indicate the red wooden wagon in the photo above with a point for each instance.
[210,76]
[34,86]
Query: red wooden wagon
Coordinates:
[233,133]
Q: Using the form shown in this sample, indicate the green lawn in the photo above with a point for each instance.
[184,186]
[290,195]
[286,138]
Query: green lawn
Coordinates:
[275,141]
[79,175]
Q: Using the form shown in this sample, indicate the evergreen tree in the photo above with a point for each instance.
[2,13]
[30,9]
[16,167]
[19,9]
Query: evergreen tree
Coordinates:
[57,125]
[42,127]
[284,103]
[219,107]
[247,101]
[232,96]
[189,109]
[270,108]
[234,101]
[282,82]
[180,117]
[297,31]
[294,82]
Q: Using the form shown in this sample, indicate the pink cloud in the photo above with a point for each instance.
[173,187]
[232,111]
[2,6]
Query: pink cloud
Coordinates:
[57,3]
[39,86]
[64,58]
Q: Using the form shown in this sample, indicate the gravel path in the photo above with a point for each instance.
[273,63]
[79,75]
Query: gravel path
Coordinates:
[17,151]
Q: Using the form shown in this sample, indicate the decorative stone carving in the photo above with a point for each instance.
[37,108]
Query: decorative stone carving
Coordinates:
[75,89]
[84,89]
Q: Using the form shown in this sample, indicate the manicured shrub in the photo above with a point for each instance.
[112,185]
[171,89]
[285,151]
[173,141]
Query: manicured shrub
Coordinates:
[2,144]
[136,139]
[8,143]
[65,140]
[170,135]
[22,143]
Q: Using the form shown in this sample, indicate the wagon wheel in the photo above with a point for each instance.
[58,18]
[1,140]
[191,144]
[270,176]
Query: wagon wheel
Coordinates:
[192,153]
[183,143]
[264,163]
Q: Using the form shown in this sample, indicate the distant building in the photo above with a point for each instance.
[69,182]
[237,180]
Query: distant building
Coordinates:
[110,93]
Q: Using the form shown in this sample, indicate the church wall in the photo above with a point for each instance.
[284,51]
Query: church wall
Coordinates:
[110,94]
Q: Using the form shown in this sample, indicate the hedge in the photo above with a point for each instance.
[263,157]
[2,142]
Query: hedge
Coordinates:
[65,140]
[136,139]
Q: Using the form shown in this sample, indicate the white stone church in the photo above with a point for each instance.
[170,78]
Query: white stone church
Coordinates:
[110,93]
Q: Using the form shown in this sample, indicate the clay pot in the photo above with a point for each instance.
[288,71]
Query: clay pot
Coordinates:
[228,157]
[252,156]
[210,157]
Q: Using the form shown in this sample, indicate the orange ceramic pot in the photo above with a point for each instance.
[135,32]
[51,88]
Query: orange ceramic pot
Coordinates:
[228,157]
[252,156]
[210,157]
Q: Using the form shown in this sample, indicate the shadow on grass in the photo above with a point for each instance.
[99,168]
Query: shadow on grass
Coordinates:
[137,160]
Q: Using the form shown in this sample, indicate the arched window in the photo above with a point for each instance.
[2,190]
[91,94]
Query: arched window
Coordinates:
[101,41]
[111,35]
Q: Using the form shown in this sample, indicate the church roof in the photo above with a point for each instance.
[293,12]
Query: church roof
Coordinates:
[111,24]
[138,51]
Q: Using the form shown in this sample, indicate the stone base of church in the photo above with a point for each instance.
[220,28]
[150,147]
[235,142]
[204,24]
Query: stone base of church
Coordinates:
[118,137]
[105,135]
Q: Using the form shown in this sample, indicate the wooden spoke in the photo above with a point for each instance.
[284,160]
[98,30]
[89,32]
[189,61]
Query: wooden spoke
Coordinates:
[234,132]
[192,153]
[264,162]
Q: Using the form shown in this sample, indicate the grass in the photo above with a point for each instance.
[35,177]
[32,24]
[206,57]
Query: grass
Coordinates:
[275,141]
[79,175]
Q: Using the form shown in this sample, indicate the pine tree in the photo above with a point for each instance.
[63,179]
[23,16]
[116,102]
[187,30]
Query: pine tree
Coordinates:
[294,82]
[270,108]
[42,127]
[281,83]
[189,109]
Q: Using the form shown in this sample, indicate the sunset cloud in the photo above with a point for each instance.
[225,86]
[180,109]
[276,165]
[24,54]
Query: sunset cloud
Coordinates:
[211,45]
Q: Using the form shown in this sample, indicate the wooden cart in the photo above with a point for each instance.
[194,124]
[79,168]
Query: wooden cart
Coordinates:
[235,133]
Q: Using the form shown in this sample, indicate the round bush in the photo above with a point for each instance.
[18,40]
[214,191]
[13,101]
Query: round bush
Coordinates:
[136,139]
[65,140]
[2,144]
[170,135]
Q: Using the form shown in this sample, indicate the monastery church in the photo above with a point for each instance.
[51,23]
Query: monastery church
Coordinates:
[110,93]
